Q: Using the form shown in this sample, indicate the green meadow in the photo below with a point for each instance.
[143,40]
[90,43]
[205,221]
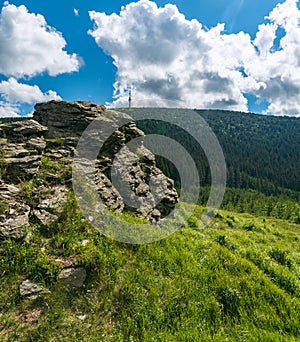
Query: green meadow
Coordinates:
[238,279]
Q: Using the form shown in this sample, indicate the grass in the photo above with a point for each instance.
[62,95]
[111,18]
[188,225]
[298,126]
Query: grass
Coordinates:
[3,206]
[235,280]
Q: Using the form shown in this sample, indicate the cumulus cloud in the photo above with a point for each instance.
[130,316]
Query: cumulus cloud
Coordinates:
[170,60]
[167,57]
[8,110]
[279,69]
[14,92]
[29,46]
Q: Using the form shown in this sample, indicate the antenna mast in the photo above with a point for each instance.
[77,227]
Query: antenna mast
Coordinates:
[129,97]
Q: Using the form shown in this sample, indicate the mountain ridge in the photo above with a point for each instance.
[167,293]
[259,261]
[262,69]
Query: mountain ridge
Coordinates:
[262,152]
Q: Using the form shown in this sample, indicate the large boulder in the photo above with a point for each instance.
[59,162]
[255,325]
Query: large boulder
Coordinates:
[66,119]
[22,131]
[22,144]
[132,166]
[38,154]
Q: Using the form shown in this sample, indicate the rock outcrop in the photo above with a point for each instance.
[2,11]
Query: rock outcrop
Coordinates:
[36,157]
[14,213]
[67,119]
[22,144]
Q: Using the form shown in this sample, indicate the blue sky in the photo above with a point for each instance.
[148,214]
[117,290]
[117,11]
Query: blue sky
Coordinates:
[169,55]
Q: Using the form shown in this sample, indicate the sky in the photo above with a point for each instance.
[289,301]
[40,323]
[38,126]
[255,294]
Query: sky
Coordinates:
[241,55]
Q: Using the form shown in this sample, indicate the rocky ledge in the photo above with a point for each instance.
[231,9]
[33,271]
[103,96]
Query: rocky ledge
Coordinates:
[36,158]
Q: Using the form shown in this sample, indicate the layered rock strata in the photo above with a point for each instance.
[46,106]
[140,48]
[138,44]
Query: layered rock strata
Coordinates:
[36,157]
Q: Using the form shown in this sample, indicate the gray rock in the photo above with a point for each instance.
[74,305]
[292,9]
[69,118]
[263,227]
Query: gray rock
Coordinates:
[15,227]
[44,216]
[8,191]
[66,119]
[30,289]
[14,216]
[21,131]
[135,165]
[73,277]
[55,200]
[22,143]
[53,136]
[49,208]
[21,168]
[36,144]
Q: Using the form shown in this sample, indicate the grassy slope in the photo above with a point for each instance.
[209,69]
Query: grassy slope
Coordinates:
[236,280]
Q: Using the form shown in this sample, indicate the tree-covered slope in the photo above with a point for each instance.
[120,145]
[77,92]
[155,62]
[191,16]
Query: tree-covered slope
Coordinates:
[261,152]
[266,148]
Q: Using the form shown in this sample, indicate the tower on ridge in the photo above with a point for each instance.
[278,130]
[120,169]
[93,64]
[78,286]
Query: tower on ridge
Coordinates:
[129,98]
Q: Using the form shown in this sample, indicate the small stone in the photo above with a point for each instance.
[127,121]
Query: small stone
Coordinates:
[156,214]
[29,288]
[73,277]
[15,227]
[45,217]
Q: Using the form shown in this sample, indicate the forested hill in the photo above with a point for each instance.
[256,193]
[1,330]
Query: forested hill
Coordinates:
[266,148]
[261,152]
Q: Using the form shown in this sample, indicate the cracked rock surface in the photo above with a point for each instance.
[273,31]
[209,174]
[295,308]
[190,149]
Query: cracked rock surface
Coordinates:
[36,157]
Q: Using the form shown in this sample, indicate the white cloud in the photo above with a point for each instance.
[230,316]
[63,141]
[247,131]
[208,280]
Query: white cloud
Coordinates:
[14,95]
[279,69]
[265,37]
[28,46]
[165,56]
[14,92]
[8,110]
